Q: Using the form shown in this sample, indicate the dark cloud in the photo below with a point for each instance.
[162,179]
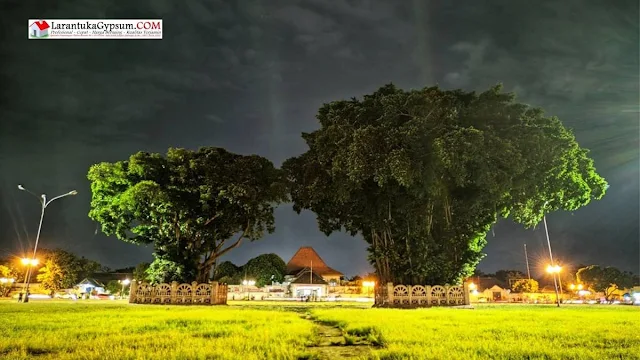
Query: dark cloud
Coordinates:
[250,75]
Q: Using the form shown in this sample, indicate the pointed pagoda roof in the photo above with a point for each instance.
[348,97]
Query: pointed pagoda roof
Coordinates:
[306,277]
[305,258]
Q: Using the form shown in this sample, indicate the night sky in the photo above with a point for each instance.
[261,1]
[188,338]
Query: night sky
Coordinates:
[249,76]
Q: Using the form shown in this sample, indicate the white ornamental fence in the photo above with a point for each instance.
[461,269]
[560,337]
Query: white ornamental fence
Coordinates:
[175,293]
[422,295]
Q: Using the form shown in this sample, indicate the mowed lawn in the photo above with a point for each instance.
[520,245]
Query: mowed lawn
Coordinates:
[263,330]
[104,330]
[497,332]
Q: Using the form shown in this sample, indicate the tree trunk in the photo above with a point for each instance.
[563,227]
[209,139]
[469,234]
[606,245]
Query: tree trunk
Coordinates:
[204,273]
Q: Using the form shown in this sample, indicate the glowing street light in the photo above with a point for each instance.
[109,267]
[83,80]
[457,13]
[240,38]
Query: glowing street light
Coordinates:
[555,271]
[472,286]
[124,283]
[44,203]
[29,262]
[369,285]
[7,280]
[546,232]
[248,283]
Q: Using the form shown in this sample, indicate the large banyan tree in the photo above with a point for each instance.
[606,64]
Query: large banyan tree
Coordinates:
[422,175]
[192,206]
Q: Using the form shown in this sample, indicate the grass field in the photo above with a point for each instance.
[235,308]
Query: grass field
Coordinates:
[261,330]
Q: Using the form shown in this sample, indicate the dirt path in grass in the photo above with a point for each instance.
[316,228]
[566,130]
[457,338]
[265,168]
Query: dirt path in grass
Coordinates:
[330,342]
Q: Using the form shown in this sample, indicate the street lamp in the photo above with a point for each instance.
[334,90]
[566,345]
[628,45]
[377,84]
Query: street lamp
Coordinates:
[28,263]
[124,283]
[44,203]
[368,285]
[555,271]
[248,283]
[546,231]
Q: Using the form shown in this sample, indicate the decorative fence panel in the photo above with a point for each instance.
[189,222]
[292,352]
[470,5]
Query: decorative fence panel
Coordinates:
[198,294]
[421,295]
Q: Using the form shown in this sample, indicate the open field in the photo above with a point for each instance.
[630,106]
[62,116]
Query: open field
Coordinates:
[267,330]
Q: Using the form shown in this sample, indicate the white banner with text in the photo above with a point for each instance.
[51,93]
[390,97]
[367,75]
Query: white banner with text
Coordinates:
[95,29]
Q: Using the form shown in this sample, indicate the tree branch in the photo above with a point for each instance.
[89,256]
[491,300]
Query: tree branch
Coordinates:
[211,219]
[177,227]
[218,253]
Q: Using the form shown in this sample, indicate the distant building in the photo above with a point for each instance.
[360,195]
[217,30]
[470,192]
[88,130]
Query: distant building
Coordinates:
[308,275]
[307,258]
[99,281]
[489,289]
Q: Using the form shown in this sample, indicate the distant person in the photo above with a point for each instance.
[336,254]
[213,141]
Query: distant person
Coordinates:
[20,297]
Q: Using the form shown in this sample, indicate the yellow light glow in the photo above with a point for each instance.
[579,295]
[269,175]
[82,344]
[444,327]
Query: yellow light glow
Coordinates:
[579,286]
[472,286]
[554,269]
[572,286]
[368,284]
[29,262]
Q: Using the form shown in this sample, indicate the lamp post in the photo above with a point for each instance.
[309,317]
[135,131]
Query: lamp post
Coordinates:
[248,283]
[555,271]
[546,231]
[44,203]
[124,283]
[28,263]
[368,285]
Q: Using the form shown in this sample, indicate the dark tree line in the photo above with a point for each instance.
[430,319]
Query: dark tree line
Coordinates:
[263,269]
[57,269]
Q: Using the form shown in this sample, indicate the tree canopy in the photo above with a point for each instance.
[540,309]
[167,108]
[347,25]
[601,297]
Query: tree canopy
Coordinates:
[264,269]
[525,286]
[228,272]
[8,278]
[187,204]
[60,269]
[422,175]
[604,279]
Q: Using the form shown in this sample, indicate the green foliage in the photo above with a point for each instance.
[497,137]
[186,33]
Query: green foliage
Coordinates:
[265,269]
[15,268]
[188,204]
[422,175]
[525,286]
[228,273]
[162,270]
[51,276]
[140,272]
[604,279]
[115,287]
[62,269]
[9,277]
